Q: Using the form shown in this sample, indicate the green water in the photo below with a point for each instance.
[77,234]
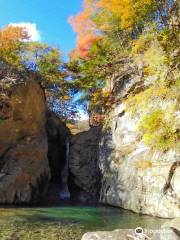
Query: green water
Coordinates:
[67,223]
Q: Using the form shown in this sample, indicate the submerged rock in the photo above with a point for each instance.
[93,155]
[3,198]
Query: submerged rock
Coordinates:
[84,174]
[24,167]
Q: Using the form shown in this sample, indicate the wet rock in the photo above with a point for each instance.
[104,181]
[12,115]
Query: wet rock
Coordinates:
[84,174]
[24,167]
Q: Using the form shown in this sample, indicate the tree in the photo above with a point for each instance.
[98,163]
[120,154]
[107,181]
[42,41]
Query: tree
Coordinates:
[44,59]
[19,55]
[11,44]
[85,29]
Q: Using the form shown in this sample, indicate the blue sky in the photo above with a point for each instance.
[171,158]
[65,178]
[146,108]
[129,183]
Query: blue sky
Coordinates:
[50,16]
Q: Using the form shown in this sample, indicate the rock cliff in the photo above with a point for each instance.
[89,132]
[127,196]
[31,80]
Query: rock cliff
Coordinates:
[136,177]
[24,167]
[84,174]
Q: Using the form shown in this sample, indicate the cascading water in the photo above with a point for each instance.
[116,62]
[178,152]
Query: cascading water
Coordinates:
[64,191]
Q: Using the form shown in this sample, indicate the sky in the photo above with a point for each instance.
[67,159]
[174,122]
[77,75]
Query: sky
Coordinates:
[47,20]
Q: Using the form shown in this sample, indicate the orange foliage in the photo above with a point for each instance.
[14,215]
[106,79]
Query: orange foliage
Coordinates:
[85,29]
[129,13]
[84,44]
[11,40]
[82,21]
[11,34]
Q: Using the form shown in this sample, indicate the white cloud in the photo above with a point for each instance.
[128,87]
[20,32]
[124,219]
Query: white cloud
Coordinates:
[31,29]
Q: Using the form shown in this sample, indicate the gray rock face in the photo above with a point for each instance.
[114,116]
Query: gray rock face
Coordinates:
[134,176]
[84,174]
[24,168]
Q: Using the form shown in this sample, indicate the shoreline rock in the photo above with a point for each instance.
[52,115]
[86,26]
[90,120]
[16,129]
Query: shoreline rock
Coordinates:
[129,234]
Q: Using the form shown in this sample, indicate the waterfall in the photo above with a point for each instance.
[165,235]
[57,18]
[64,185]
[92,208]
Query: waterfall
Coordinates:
[64,193]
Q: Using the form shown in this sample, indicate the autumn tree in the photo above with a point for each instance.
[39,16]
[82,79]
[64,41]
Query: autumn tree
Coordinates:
[85,28]
[11,44]
[19,55]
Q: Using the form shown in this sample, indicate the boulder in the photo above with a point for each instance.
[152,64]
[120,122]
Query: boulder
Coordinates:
[172,226]
[84,175]
[129,234]
[24,167]
[105,235]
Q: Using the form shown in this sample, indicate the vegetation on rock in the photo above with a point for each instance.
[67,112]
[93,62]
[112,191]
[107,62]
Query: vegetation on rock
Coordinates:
[139,37]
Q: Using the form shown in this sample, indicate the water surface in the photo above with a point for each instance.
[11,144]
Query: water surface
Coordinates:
[67,223]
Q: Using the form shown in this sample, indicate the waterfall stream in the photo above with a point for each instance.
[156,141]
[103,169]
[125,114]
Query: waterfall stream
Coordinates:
[64,191]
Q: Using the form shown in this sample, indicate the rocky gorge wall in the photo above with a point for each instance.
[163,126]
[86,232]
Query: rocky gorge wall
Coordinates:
[33,142]
[34,148]
[84,176]
[24,166]
[134,176]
